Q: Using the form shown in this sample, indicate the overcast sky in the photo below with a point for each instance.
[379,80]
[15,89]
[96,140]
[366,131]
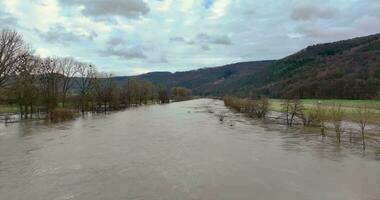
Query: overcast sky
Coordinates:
[137,36]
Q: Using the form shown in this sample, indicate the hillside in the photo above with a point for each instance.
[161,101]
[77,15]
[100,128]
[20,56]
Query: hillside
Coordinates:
[348,69]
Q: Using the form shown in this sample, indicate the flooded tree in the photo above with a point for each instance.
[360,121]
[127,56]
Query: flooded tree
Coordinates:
[105,89]
[363,114]
[140,91]
[291,108]
[25,88]
[256,108]
[181,94]
[308,116]
[336,115]
[321,116]
[163,96]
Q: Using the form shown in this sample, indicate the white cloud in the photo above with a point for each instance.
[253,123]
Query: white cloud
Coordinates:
[219,8]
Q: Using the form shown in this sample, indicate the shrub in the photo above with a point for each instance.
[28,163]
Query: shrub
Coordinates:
[321,116]
[292,108]
[257,108]
[62,114]
[336,118]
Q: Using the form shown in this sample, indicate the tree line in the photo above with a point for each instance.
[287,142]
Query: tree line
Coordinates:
[53,84]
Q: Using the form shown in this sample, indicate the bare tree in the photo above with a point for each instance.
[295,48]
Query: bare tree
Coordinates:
[11,46]
[292,108]
[68,69]
[336,118]
[321,116]
[50,82]
[25,86]
[85,80]
[363,115]
[105,89]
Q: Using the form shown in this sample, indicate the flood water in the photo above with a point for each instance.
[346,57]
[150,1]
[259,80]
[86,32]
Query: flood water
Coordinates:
[180,151]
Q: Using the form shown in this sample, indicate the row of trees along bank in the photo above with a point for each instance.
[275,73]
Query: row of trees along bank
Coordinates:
[60,87]
[332,116]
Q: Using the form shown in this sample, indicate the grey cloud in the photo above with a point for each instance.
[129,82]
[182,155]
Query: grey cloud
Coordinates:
[305,12]
[177,39]
[7,20]
[205,47]
[204,38]
[163,59]
[115,41]
[327,34]
[59,34]
[222,40]
[126,53]
[103,9]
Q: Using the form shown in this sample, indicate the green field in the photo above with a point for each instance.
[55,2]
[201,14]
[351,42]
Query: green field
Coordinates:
[349,106]
[375,104]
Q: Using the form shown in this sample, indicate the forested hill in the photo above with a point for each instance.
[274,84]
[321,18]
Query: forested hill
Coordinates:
[348,69]
[206,81]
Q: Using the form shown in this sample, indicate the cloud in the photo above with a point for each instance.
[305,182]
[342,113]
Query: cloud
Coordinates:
[126,53]
[101,9]
[59,34]
[219,9]
[177,39]
[115,41]
[7,20]
[163,59]
[222,40]
[117,46]
[205,47]
[204,38]
[305,12]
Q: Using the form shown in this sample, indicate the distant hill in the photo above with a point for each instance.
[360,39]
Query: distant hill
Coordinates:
[348,69]
[205,81]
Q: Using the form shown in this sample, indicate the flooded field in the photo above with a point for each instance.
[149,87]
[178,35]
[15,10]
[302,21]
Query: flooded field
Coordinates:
[181,151]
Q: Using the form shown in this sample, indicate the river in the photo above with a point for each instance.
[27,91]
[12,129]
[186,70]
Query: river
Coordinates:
[180,151]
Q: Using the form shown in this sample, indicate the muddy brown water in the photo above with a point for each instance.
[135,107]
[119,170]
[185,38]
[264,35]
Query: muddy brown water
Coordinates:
[180,151]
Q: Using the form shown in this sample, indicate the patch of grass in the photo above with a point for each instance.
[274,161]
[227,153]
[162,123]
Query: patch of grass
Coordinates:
[8,109]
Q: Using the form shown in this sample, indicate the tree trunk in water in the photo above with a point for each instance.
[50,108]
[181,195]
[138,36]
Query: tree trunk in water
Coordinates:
[338,136]
[363,138]
[323,129]
[63,100]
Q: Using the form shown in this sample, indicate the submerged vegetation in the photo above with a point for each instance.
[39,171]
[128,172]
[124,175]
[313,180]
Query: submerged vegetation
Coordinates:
[326,116]
[257,108]
[62,114]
